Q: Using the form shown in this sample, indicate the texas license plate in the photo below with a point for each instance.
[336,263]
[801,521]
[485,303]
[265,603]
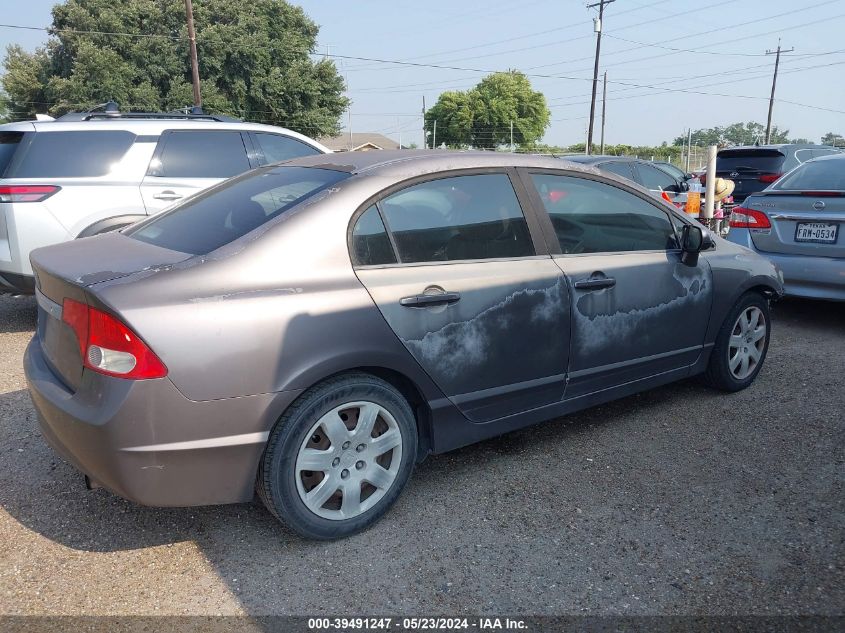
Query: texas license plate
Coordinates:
[820,232]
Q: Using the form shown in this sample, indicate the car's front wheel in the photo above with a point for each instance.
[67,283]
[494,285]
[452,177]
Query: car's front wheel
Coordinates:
[741,345]
[339,457]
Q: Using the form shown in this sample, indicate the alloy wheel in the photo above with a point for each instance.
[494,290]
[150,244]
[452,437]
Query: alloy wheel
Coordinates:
[747,342]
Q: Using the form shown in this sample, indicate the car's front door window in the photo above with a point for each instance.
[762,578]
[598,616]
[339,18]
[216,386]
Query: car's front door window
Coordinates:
[656,179]
[592,217]
[638,311]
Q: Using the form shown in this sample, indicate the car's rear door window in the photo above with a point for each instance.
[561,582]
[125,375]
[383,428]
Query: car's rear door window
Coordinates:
[277,148]
[73,154]
[594,217]
[200,154]
[221,215]
[458,218]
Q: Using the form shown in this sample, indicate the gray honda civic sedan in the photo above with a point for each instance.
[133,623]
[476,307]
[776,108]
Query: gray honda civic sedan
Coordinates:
[313,329]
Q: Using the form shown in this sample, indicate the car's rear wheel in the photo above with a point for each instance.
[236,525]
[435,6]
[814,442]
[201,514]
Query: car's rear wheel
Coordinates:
[741,345]
[339,457]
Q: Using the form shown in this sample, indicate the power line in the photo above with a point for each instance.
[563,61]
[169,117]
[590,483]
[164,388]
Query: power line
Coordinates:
[522,37]
[79,32]
[686,36]
[728,41]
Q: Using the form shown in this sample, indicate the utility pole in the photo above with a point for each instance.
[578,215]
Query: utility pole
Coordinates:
[434,136]
[511,137]
[776,53]
[425,140]
[597,28]
[192,38]
[603,110]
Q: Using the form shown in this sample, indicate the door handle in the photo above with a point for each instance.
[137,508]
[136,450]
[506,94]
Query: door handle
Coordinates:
[167,195]
[426,301]
[595,284]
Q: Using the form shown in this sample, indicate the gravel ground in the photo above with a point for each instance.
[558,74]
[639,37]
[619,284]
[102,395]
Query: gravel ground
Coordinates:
[676,501]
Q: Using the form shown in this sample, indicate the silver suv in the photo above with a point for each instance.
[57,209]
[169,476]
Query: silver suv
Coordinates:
[89,173]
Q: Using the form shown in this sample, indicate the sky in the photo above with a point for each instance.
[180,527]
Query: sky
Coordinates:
[671,64]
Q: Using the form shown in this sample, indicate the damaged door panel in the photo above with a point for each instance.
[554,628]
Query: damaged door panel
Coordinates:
[496,343]
[651,320]
[637,310]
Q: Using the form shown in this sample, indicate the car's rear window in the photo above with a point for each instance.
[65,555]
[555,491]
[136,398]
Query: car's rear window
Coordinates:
[71,154]
[756,160]
[223,214]
[818,175]
[9,142]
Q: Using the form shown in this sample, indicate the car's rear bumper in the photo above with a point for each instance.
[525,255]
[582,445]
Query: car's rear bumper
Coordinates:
[807,276]
[148,443]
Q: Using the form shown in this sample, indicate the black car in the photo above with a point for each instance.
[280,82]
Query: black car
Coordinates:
[673,170]
[642,172]
[753,168]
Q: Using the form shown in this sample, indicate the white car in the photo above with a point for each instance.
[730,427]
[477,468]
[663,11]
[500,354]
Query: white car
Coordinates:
[89,173]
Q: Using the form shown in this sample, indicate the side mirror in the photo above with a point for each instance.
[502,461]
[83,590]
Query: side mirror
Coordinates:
[707,240]
[684,185]
[692,242]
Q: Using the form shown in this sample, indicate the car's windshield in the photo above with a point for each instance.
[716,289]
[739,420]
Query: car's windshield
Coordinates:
[822,175]
[222,215]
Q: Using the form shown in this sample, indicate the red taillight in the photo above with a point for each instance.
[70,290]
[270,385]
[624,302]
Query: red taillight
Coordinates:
[769,177]
[109,347]
[743,218]
[26,193]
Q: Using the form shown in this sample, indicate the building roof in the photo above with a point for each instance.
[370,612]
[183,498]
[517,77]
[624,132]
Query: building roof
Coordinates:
[359,140]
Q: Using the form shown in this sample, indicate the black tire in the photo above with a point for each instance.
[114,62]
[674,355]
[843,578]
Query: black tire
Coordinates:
[276,483]
[718,373]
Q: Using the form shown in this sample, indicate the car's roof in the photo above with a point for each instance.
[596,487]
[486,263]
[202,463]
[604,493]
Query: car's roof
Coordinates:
[593,159]
[151,127]
[403,162]
[776,146]
[839,156]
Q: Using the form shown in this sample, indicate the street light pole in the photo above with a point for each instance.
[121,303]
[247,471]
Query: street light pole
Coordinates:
[598,26]
[192,37]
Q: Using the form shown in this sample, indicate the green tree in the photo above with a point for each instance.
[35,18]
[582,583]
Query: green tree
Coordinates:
[735,134]
[482,116]
[253,60]
[833,139]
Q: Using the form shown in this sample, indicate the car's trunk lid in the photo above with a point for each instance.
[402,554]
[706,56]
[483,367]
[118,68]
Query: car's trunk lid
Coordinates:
[71,271]
[802,223]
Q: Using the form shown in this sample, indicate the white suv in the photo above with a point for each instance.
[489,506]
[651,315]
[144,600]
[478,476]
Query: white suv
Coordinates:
[87,173]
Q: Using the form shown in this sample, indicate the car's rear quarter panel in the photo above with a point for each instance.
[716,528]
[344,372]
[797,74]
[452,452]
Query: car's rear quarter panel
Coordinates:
[280,315]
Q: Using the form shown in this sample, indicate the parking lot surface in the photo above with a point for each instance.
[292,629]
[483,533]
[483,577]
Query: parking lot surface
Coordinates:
[680,500]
